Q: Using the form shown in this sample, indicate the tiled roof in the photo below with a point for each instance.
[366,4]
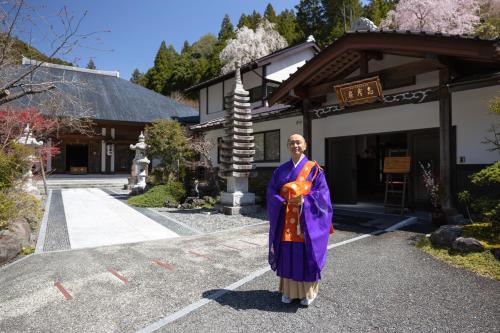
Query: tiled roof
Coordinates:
[107,97]
[254,64]
[258,114]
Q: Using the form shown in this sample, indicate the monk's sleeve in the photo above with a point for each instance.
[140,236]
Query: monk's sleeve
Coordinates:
[275,213]
[317,219]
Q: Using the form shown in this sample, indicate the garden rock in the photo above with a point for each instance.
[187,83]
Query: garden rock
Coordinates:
[9,248]
[21,230]
[496,253]
[445,235]
[210,200]
[171,203]
[467,245]
[192,202]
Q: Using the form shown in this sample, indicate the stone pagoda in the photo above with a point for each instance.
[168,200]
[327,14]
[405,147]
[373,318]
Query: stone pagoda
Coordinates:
[139,167]
[237,151]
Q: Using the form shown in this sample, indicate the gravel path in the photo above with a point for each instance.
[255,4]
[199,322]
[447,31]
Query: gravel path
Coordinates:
[206,221]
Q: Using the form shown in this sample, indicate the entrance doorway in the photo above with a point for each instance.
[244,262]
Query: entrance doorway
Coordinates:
[354,164]
[123,158]
[77,158]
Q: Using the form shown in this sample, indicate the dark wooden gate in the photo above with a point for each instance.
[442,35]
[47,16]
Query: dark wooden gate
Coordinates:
[341,169]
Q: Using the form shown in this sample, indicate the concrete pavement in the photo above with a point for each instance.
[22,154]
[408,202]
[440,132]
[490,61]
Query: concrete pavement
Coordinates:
[373,284]
[89,217]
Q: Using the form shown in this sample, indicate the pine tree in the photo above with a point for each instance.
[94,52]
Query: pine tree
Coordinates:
[377,10]
[339,15]
[250,21]
[186,47]
[244,21]
[311,20]
[270,14]
[288,28]
[255,19]
[164,63]
[90,64]
[226,29]
[137,77]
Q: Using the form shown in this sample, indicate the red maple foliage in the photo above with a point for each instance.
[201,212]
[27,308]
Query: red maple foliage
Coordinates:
[14,121]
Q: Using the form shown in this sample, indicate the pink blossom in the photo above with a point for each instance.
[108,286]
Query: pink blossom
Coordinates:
[446,16]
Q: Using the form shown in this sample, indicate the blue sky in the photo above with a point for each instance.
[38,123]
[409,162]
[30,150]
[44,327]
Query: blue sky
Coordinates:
[136,28]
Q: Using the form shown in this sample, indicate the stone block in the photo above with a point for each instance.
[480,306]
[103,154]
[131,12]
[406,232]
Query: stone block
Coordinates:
[21,231]
[237,199]
[466,245]
[445,235]
[235,184]
[229,210]
[9,248]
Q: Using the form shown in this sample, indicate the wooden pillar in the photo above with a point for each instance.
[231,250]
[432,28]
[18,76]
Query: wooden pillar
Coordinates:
[445,132]
[363,63]
[307,125]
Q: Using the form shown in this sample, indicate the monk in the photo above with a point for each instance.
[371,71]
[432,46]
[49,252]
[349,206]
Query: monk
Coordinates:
[300,216]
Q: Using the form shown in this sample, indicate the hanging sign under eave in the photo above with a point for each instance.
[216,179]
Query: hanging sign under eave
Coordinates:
[359,92]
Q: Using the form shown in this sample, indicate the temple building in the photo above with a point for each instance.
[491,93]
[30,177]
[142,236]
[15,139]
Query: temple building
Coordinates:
[375,94]
[260,78]
[118,108]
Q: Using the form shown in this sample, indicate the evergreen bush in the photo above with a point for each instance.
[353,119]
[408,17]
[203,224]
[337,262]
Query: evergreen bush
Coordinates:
[156,196]
[15,205]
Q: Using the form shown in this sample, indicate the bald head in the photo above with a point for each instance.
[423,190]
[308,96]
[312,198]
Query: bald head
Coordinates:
[296,145]
[296,137]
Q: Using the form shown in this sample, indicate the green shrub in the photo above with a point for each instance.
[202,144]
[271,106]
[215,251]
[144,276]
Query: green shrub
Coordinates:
[157,195]
[14,205]
[27,250]
[484,233]
[487,176]
[485,203]
[176,190]
[13,163]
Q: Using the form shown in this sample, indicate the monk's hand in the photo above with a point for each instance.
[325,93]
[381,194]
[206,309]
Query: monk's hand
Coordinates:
[298,200]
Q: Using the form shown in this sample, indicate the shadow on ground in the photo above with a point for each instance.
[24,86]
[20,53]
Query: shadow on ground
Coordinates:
[263,300]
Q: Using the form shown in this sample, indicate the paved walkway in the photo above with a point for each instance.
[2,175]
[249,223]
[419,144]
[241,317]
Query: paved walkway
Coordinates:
[220,282]
[89,217]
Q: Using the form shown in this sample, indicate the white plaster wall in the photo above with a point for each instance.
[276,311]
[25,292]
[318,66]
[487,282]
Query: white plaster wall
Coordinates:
[252,79]
[287,127]
[389,60]
[396,118]
[215,98]
[281,68]
[472,118]
[470,115]
[203,104]
[228,86]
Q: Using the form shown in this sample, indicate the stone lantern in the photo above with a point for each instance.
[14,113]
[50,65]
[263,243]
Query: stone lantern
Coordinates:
[237,151]
[28,140]
[140,165]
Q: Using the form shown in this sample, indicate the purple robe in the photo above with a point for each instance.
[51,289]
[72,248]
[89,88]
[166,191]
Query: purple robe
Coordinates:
[294,260]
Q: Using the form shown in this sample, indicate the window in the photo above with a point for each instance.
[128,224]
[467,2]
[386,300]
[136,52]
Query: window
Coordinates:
[267,146]
[255,94]
[270,90]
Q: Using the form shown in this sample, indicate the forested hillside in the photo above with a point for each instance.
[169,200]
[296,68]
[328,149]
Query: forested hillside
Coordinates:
[324,19]
[20,48]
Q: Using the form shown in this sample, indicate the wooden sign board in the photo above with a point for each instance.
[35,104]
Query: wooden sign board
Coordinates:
[397,164]
[359,92]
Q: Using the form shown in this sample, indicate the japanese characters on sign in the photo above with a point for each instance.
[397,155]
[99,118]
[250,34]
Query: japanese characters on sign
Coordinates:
[399,164]
[359,92]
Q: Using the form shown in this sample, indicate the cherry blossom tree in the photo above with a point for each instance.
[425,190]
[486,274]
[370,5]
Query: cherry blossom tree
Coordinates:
[447,16]
[250,45]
